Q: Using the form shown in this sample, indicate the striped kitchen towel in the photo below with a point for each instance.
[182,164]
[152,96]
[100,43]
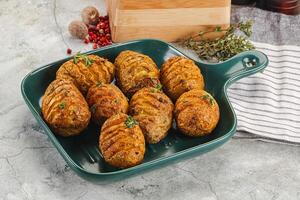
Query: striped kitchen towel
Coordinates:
[268,104]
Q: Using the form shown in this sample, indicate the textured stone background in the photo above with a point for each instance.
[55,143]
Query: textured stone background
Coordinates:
[270,27]
[33,33]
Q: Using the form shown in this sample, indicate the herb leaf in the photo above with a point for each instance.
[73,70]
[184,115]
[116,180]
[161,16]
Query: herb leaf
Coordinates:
[159,86]
[218,29]
[99,84]
[153,90]
[84,57]
[208,98]
[130,122]
[62,105]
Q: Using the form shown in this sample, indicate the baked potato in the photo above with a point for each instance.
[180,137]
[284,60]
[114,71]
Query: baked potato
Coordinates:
[121,141]
[153,111]
[196,113]
[86,70]
[135,71]
[179,75]
[65,109]
[104,101]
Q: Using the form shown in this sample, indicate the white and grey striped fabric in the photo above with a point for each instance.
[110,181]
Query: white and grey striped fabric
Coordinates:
[268,104]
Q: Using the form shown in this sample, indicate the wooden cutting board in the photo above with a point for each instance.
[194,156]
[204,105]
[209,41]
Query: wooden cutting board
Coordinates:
[168,20]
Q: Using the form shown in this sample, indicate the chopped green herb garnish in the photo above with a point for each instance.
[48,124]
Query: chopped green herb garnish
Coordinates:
[84,57]
[208,98]
[99,84]
[153,90]
[218,29]
[205,97]
[62,105]
[159,86]
[130,122]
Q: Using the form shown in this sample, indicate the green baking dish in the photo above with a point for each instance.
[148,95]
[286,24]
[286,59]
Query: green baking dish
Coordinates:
[81,152]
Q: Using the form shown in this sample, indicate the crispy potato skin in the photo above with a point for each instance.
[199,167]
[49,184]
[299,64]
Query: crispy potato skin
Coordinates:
[83,76]
[135,71]
[179,75]
[65,109]
[121,146]
[106,100]
[196,113]
[153,110]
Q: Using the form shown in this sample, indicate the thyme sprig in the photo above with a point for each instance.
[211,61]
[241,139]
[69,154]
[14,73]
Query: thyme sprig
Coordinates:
[84,57]
[222,48]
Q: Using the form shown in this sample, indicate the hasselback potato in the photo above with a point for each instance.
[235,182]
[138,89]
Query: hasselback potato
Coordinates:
[179,75]
[65,109]
[86,70]
[135,71]
[106,100]
[196,113]
[121,141]
[153,110]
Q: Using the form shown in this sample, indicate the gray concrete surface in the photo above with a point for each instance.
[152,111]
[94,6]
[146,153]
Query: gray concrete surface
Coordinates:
[270,27]
[33,33]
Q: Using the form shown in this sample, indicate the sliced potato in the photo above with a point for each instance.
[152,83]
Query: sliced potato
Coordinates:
[135,71]
[121,141]
[86,70]
[179,75]
[196,113]
[65,109]
[106,100]
[153,110]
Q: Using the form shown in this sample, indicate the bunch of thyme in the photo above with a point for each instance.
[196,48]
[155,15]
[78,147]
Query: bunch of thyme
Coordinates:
[225,47]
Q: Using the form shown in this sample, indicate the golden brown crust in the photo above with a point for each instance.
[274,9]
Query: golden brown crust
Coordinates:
[106,100]
[179,75]
[65,109]
[135,71]
[84,76]
[153,110]
[196,113]
[121,146]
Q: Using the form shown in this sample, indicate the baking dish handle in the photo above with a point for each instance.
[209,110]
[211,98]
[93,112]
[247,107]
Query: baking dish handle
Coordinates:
[243,65]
